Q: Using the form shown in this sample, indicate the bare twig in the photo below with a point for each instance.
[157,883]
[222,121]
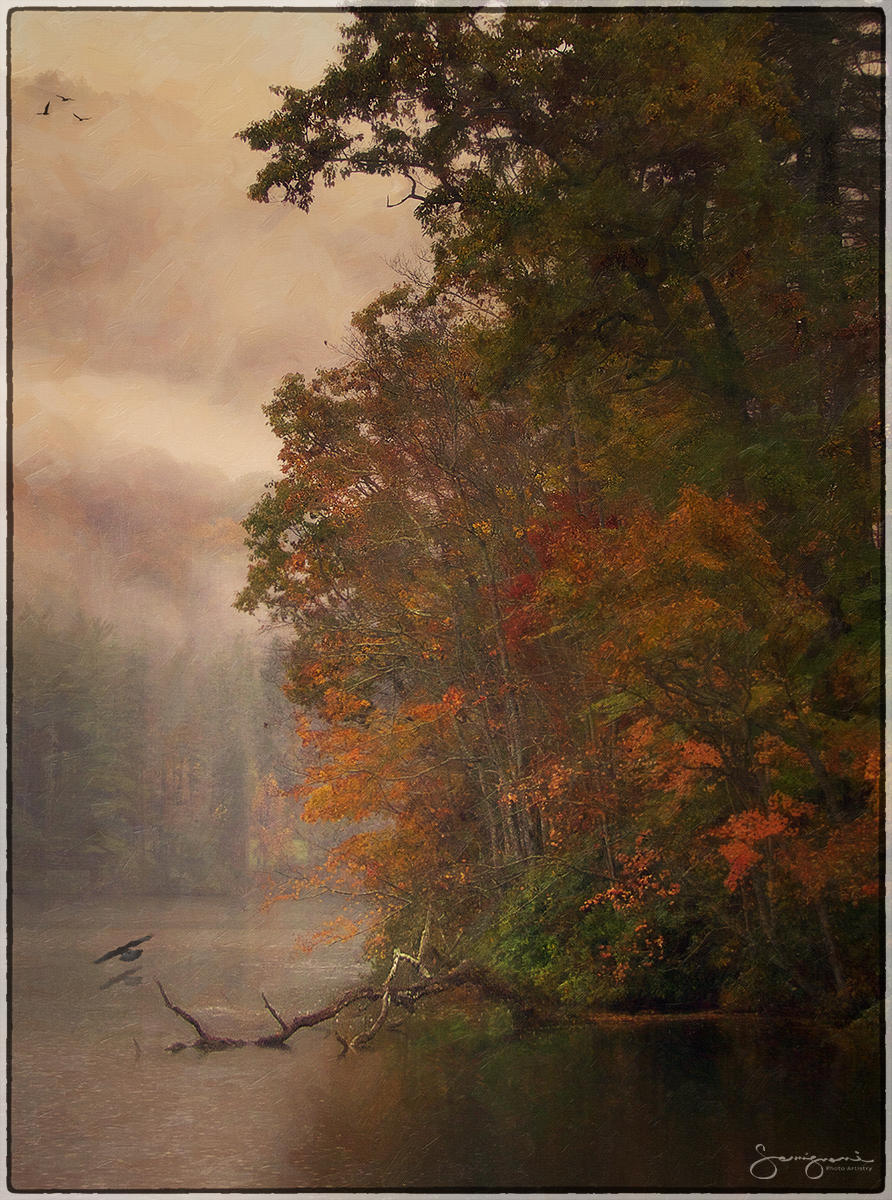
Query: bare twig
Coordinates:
[282,1023]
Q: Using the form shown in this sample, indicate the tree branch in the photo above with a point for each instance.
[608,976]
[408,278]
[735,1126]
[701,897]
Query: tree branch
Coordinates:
[282,1023]
[526,1008]
[206,1041]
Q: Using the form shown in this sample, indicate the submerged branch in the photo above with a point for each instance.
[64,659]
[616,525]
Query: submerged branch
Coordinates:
[526,1010]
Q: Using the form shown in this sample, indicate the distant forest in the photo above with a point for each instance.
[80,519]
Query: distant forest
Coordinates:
[147,722]
[581,544]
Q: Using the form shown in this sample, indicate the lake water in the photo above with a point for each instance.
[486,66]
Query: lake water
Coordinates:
[98,1104]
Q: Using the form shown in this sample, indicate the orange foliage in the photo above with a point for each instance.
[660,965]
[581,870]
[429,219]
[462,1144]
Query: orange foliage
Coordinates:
[642,878]
[744,831]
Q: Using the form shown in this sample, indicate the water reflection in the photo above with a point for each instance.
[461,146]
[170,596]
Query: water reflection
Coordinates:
[627,1106]
[98,1103]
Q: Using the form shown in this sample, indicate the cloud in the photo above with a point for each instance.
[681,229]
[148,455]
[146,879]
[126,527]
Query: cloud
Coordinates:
[106,416]
[154,306]
[152,545]
[135,247]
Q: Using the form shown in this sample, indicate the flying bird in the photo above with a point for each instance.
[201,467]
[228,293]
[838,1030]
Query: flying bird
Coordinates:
[46,111]
[74,114]
[59,96]
[126,953]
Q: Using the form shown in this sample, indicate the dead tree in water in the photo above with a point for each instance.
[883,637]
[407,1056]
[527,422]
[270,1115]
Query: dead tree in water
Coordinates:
[526,1010]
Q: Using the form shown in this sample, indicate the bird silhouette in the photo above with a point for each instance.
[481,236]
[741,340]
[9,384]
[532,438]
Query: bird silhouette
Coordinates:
[59,96]
[46,111]
[74,114]
[126,953]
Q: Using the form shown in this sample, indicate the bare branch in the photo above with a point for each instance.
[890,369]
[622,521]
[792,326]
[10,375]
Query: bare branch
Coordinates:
[526,1009]
[206,1041]
[282,1023]
[181,1012]
[413,194]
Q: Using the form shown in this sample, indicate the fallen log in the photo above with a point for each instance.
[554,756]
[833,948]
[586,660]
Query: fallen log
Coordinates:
[527,1011]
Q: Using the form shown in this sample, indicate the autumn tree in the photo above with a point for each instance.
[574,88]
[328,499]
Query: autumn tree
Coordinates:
[626,184]
[404,500]
[705,644]
[581,546]
[659,215]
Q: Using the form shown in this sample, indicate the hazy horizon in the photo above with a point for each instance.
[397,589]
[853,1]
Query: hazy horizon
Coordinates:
[155,308]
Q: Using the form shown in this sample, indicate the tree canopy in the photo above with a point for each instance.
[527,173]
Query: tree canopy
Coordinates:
[580,545]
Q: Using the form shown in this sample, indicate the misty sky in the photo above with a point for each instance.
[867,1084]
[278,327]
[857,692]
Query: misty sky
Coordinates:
[152,301]
[154,305]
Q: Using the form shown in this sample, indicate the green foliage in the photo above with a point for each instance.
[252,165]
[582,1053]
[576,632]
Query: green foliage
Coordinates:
[592,957]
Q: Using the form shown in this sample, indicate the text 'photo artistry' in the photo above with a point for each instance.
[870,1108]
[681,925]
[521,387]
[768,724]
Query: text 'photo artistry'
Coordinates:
[446,611]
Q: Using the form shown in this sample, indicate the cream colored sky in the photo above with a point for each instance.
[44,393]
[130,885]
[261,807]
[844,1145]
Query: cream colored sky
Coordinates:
[153,303]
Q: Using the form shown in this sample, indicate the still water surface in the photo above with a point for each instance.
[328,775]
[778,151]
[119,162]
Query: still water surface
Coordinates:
[98,1104]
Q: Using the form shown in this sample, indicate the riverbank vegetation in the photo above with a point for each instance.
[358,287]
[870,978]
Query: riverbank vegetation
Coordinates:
[580,546]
